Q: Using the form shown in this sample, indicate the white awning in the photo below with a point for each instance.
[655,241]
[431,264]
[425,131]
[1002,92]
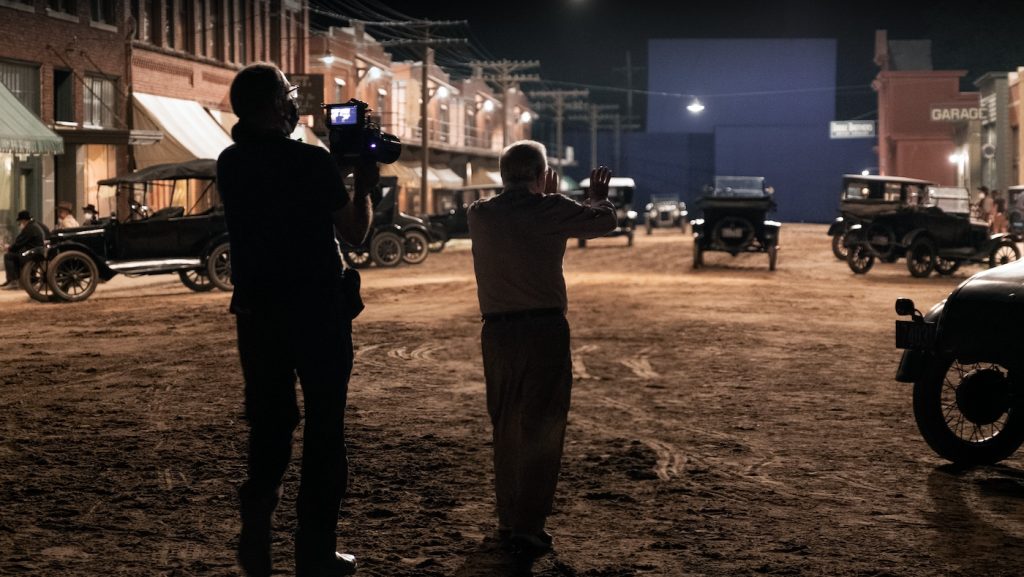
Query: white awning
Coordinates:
[189,130]
[438,176]
[305,134]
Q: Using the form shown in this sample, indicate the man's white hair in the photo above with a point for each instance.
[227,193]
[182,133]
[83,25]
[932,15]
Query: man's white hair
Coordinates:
[523,162]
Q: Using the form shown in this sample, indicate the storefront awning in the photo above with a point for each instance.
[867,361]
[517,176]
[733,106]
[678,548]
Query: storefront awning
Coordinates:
[439,176]
[481,176]
[406,175]
[189,131]
[302,132]
[21,132]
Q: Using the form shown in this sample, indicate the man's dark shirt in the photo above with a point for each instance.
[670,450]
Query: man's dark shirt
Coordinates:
[30,237]
[278,198]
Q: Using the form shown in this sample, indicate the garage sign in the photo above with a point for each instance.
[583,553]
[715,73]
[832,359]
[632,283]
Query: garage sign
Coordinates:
[955,113]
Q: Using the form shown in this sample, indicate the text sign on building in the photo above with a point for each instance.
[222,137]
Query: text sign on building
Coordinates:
[955,113]
[310,92]
[851,129]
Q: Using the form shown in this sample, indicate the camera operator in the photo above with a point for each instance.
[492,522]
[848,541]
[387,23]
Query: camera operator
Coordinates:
[293,318]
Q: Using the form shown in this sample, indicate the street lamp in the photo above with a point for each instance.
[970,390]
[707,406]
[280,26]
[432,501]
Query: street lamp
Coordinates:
[695,107]
[327,58]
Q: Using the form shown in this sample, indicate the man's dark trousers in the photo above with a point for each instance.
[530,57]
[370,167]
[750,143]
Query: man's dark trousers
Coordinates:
[274,349]
[12,266]
[528,369]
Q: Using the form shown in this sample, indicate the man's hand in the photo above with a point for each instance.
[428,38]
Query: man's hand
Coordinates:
[550,181]
[599,179]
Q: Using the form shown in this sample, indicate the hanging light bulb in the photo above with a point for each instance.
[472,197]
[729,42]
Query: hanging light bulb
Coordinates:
[328,58]
[695,106]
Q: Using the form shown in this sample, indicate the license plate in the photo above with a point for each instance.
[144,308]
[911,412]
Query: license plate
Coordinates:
[914,334]
[732,233]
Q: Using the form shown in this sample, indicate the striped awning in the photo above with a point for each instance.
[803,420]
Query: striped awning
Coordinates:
[21,132]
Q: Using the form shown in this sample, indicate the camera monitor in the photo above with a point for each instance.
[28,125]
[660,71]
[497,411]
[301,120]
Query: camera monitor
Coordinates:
[343,115]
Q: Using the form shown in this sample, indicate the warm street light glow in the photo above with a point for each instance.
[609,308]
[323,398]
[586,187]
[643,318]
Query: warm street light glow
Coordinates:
[695,106]
[865,172]
[488,106]
[954,158]
[442,92]
[525,117]
[374,72]
[328,58]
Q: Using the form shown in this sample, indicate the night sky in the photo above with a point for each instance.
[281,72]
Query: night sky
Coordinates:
[583,43]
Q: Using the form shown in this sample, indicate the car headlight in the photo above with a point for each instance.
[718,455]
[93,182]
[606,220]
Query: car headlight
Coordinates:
[630,214]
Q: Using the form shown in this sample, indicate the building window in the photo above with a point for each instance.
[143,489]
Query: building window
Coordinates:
[102,11]
[100,163]
[65,6]
[99,102]
[172,27]
[137,28]
[470,127]
[152,24]
[23,82]
[63,96]
[443,122]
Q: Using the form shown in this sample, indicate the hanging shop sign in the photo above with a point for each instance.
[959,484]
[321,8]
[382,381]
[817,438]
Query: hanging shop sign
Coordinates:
[955,113]
[851,129]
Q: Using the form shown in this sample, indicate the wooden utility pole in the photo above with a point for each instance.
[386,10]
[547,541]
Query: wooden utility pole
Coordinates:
[629,69]
[560,103]
[594,117]
[503,75]
[611,120]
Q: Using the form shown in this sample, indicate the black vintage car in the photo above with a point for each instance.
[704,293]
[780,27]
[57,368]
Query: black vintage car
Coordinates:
[395,237]
[734,211]
[620,193]
[665,212]
[866,196]
[170,221]
[963,357]
[934,232]
[450,205]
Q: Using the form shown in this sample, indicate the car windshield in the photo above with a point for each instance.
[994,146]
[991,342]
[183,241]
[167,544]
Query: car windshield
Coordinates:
[950,199]
[746,186]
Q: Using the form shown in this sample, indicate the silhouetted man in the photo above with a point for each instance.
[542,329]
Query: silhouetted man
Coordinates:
[293,321]
[519,241]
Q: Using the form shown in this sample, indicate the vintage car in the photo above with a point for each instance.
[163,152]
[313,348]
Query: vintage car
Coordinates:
[1015,211]
[964,360]
[395,236]
[450,205]
[666,212]
[620,193]
[170,221]
[734,211]
[866,196]
[935,233]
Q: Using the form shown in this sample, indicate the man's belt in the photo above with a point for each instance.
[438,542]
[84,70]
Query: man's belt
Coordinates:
[524,314]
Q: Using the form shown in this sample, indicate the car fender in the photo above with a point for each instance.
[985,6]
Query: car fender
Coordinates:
[838,226]
[106,273]
[855,234]
[914,361]
[36,253]
[214,243]
[913,235]
[416,226]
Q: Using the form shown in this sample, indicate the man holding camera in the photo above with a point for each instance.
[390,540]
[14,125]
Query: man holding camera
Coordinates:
[519,241]
[293,317]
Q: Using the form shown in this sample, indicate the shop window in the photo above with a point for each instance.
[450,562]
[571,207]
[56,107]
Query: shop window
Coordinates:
[63,96]
[102,11]
[23,82]
[99,102]
[100,163]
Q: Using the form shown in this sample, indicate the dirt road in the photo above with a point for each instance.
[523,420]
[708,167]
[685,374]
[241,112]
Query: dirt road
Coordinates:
[727,421]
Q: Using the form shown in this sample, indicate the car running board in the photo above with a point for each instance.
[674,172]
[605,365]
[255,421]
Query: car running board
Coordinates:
[155,266]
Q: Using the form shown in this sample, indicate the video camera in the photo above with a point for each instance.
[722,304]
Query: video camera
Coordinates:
[354,138]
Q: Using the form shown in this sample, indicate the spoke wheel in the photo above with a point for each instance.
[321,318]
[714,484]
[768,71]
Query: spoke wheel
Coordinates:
[416,247]
[860,259]
[839,246]
[357,258]
[1004,253]
[947,266]
[218,267]
[387,249]
[72,276]
[968,413]
[921,257]
[33,281]
[196,280]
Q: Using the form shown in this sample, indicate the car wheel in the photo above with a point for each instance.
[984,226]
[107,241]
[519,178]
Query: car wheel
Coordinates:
[968,413]
[72,276]
[860,258]
[416,247]
[33,280]
[387,249]
[839,248]
[698,255]
[1003,253]
[357,258]
[947,266]
[883,241]
[218,267]
[921,257]
[773,256]
[196,279]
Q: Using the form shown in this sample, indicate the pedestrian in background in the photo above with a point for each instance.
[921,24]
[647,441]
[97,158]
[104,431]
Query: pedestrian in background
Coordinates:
[64,217]
[518,240]
[31,235]
[294,322]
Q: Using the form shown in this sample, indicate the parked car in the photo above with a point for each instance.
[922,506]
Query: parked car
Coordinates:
[448,218]
[866,196]
[394,237]
[1015,211]
[734,219]
[963,358]
[935,233]
[620,193]
[172,223]
[666,212]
